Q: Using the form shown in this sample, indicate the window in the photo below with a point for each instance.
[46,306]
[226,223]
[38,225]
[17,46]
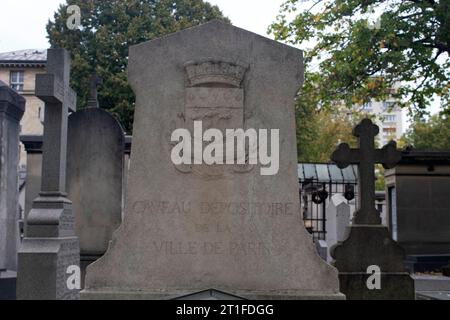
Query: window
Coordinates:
[367,106]
[16,80]
[389,130]
[390,118]
[387,106]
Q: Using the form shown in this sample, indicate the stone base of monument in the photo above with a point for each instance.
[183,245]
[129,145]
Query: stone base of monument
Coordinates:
[8,284]
[365,247]
[181,294]
[426,262]
[86,260]
[43,266]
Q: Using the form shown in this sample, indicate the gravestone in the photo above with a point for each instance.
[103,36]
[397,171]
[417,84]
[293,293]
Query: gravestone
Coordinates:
[223,227]
[95,156]
[368,242]
[12,107]
[337,220]
[50,246]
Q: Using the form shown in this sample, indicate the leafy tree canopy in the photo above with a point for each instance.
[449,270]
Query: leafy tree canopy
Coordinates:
[108,29]
[358,59]
[431,134]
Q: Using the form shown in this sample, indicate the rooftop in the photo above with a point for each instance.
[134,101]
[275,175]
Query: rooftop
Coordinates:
[24,58]
[327,172]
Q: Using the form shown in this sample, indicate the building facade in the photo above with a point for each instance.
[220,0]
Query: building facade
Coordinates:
[19,69]
[388,117]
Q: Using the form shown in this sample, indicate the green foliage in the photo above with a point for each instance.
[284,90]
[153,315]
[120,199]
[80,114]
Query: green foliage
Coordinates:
[433,134]
[357,62]
[320,131]
[108,29]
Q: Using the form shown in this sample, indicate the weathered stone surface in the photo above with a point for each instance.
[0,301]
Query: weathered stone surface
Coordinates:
[50,246]
[224,228]
[368,243]
[33,147]
[337,220]
[94,179]
[12,107]
[420,188]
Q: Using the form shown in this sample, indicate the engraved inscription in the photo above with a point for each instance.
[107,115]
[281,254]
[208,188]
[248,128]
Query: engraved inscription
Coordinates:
[214,208]
[232,248]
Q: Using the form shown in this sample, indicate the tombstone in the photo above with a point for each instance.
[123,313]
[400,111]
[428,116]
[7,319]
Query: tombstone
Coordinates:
[368,242]
[95,153]
[418,190]
[12,107]
[322,249]
[50,248]
[337,220]
[222,227]
[33,148]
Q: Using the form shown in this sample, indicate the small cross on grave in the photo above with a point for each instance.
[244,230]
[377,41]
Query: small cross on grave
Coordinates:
[53,88]
[94,82]
[366,156]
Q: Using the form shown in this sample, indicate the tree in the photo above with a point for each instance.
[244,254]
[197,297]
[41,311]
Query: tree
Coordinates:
[108,29]
[357,60]
[320,131]
[431,134]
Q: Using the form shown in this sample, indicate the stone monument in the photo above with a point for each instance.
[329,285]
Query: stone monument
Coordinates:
[95,156]
[12,107]
[369,243]
[190,228]
[337,220]
[50,246]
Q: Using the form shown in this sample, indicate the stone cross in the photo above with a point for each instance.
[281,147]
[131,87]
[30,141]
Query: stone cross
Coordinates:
[94,82]
[50,247]
[53,88]
[366,156]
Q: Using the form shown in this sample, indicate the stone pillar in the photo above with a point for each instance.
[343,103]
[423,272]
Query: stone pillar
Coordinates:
[12,107]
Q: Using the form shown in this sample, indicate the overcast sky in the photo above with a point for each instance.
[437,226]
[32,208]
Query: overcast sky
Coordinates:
[22,22]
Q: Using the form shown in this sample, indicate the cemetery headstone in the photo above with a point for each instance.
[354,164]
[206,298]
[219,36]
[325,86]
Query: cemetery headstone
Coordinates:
[12,107]
[95,156]
[337,220]
[189,228]
[369,251]
[50,248]
[33,148]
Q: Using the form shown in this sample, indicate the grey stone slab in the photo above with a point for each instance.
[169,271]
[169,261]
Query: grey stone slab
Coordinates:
[228,228]
[431,283]
[12,107]
[95,163]
[337,221]
[433,295]
[33,147]
[8,280]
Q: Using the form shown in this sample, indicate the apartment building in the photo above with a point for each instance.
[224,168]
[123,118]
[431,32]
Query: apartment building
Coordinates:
[19,69]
